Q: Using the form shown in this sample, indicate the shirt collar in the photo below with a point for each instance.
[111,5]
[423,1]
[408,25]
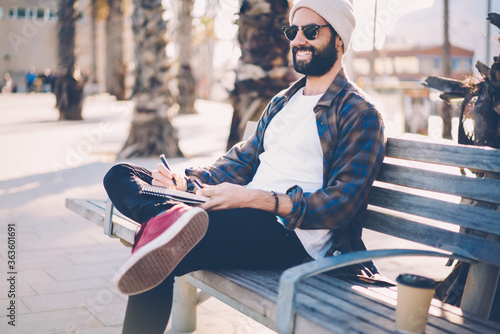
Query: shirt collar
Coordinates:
[335,88]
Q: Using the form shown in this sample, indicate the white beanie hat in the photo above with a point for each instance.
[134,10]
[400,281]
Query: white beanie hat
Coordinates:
[338,13]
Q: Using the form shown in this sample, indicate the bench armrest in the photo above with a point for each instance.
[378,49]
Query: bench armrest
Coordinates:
[290,277]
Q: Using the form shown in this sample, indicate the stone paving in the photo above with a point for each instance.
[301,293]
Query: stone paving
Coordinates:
[63,264]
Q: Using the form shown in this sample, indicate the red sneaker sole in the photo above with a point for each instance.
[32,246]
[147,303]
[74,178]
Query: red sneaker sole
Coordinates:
[151,264]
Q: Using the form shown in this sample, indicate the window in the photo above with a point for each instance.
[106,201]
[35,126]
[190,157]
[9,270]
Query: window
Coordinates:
[30,13]
[409,64]
[40,13]
[12,13]
[21,13]
[52,14]
[437,63]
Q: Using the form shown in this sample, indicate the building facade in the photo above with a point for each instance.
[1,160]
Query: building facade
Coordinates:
[28,39]
[412,64]
[396,77]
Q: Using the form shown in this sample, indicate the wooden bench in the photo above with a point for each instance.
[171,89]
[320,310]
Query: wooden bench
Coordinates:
[420,195]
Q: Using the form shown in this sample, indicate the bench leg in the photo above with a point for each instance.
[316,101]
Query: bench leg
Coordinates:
[184,306]
[480,289]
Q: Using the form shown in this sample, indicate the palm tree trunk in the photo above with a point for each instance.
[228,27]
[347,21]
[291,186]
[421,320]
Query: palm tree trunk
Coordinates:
[93,42]
[69,83]
[152,132]
[446,110]
[186,81]
[263,69]
[115,66]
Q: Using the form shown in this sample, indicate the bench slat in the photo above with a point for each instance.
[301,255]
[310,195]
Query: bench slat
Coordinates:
[487,190]
[479,158]
[385,299]
[333,309]
[465,245]
[258,290]
[379,308]
[474,217]
[94,210]
[326,311]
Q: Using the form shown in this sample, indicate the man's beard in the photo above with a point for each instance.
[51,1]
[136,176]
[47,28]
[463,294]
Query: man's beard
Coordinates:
[322,60]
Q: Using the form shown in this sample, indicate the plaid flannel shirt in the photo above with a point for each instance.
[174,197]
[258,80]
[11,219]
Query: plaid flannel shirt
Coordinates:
[351,133]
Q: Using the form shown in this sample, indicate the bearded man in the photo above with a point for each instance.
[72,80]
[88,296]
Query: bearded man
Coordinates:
[296,190]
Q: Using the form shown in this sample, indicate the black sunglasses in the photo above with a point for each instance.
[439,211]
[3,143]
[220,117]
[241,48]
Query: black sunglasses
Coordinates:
[310,31]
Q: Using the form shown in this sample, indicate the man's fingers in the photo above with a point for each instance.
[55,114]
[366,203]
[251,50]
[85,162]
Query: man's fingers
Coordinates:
[161,179]
[212,204]
[209,191]
[163,170]
[160,184]
[181,182]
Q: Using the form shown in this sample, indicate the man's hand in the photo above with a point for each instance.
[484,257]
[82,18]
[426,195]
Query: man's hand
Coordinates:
[225,196]
[162,177]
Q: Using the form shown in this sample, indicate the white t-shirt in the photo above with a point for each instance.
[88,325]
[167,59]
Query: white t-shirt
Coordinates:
[293,156]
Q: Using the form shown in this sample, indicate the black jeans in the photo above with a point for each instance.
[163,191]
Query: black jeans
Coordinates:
[236,238]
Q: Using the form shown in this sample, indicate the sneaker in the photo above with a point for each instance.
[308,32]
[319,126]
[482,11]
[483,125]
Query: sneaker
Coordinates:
[159,247]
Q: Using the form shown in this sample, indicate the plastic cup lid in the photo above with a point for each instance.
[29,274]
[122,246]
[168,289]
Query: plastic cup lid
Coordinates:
[416,281]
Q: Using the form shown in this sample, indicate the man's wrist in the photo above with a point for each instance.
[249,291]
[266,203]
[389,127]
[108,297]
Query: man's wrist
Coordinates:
[190,186]
[279,205]
[276,203]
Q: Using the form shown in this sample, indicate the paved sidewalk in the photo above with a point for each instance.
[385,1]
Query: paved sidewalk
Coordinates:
[63,263]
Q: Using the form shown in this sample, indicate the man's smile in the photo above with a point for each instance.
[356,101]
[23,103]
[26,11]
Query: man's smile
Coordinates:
[304,53]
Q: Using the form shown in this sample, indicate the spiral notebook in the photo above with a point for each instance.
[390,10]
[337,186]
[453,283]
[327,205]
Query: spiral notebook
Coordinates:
[175,195]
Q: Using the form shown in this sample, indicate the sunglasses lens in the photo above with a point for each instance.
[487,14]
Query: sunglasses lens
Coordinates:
[310,31]
[290,32]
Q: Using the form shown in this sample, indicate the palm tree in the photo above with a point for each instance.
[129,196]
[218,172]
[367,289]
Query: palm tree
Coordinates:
[263,69]
[185,77]
[115,65]
[205,45]
[69,83]
[151,132]
[446,110]
[93,42]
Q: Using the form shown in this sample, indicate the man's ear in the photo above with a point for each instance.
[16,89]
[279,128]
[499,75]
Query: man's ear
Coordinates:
[339,44]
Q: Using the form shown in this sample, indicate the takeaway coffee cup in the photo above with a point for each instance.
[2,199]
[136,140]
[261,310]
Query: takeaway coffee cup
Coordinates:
[414,299]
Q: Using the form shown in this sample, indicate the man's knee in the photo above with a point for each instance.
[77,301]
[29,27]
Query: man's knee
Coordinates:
[116,172]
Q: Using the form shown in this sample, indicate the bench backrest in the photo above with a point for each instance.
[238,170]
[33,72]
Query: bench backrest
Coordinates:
[421,195]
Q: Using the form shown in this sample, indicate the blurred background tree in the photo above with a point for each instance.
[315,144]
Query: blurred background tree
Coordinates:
[151,132]
[69,82]
[186,82]
[263,70]
[116,68]
[446,110]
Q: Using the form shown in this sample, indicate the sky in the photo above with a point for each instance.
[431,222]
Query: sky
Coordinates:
[389,13]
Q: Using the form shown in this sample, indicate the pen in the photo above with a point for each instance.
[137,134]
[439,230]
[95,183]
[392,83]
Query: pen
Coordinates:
[165,163]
